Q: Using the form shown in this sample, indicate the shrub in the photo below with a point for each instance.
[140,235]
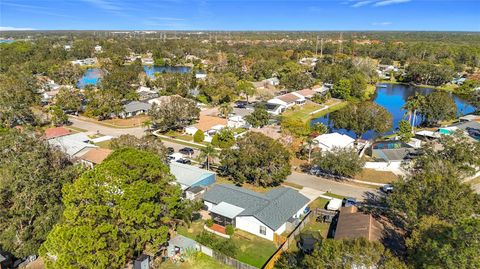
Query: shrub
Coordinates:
[209,223]
[229,230]
[199,136]
[225,246]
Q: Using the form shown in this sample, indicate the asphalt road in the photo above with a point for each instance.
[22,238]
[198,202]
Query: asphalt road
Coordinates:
[93,128]
[329,185]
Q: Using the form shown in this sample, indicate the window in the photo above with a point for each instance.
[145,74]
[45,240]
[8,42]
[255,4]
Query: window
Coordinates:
[263,230]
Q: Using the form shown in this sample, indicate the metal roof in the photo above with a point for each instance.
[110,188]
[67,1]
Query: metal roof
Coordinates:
[188,175]
[227,210]
[273,208]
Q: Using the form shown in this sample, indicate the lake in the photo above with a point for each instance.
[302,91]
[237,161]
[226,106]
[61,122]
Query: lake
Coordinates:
[393,98]
[91,77]
[151,70]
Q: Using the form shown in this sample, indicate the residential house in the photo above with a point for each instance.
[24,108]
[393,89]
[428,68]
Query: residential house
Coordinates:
[188,176]
[275,109]
[391,151]
[134,108]
[237,121]
[209,125]
[56,132]
[84,62]
[263,214]
[272,81]
[146,93]
[74,145]
[321,89]
[470,128]
[353,224]
[148,61]
[200,75]
[94,156]
[67,47]
[98,48]
[305,93]
[328,142]
[288,100]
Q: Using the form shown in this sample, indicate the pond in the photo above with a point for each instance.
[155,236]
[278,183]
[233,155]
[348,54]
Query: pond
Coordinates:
[91,77]
[151,70]
[393,97]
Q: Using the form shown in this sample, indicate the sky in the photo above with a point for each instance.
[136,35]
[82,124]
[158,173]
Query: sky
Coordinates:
[302,15]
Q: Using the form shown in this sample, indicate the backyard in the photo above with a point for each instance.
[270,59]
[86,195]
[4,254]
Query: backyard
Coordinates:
[376,176]
[252,249]
[196,261]
[313,110]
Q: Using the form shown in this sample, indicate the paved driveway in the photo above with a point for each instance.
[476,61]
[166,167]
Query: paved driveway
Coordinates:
[328,185]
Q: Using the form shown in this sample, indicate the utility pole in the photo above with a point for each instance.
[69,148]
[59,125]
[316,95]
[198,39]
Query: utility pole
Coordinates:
[321,48]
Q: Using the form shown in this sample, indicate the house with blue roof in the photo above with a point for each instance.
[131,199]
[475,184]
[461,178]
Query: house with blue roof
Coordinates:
[262,214]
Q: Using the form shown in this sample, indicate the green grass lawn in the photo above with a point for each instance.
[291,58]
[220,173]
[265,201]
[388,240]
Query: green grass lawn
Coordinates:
[76,129]
[302,112]
[103,144]
[251,249]
[333,107]
[197,261]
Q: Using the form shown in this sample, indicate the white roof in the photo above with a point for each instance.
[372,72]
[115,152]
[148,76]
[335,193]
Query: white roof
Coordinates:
[470,117]
[71,144]
[227,210]
[334,140]
[428,134]
[188,175]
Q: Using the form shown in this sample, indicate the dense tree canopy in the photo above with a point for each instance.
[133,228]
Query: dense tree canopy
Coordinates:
[339,162]
[16,98]
[146,143]
[362,117]
[439,244]
[113,212]
[31,181]
[438,106]
[176,113]
[258,159]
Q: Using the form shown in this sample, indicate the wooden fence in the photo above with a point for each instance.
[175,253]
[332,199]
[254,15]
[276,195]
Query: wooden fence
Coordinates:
[290,240]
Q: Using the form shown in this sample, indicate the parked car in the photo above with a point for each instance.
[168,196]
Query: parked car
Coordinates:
[170,150]
[186,151]
[349,201]
[241,104]
[387,188]
[184,161]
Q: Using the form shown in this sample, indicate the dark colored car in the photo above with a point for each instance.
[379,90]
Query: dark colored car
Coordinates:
[387,188]
[184,161]
[186,151]
[170,150]
[241,104]
[349,201]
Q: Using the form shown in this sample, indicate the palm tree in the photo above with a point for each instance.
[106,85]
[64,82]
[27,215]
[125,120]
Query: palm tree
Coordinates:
[147,124]
[310,142]
[413,105]
[225,109]
[208,152]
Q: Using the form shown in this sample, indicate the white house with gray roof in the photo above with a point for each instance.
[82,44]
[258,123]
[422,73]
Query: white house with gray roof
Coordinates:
[134,108]
[262,214]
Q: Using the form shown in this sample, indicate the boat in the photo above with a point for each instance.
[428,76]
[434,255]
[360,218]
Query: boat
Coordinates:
[382,86]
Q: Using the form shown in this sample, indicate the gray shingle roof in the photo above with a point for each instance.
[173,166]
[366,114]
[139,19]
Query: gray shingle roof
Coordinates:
[273,208]
[136,106]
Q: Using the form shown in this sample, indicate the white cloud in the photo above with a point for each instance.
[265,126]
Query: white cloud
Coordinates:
[11,28]
[374,3]
[363,3]
[109,6]
[384,23]
[389,2]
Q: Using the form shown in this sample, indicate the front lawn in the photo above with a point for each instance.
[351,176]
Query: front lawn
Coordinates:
[251,249]
[103,144]
[372,175]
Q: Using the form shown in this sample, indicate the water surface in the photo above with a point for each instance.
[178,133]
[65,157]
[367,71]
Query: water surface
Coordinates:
[393,98]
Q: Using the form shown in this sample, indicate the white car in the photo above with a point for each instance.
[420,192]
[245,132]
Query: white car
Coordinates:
[334,204]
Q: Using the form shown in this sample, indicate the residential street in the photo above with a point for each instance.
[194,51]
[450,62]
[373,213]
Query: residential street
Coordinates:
[322,184]
[306,180]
